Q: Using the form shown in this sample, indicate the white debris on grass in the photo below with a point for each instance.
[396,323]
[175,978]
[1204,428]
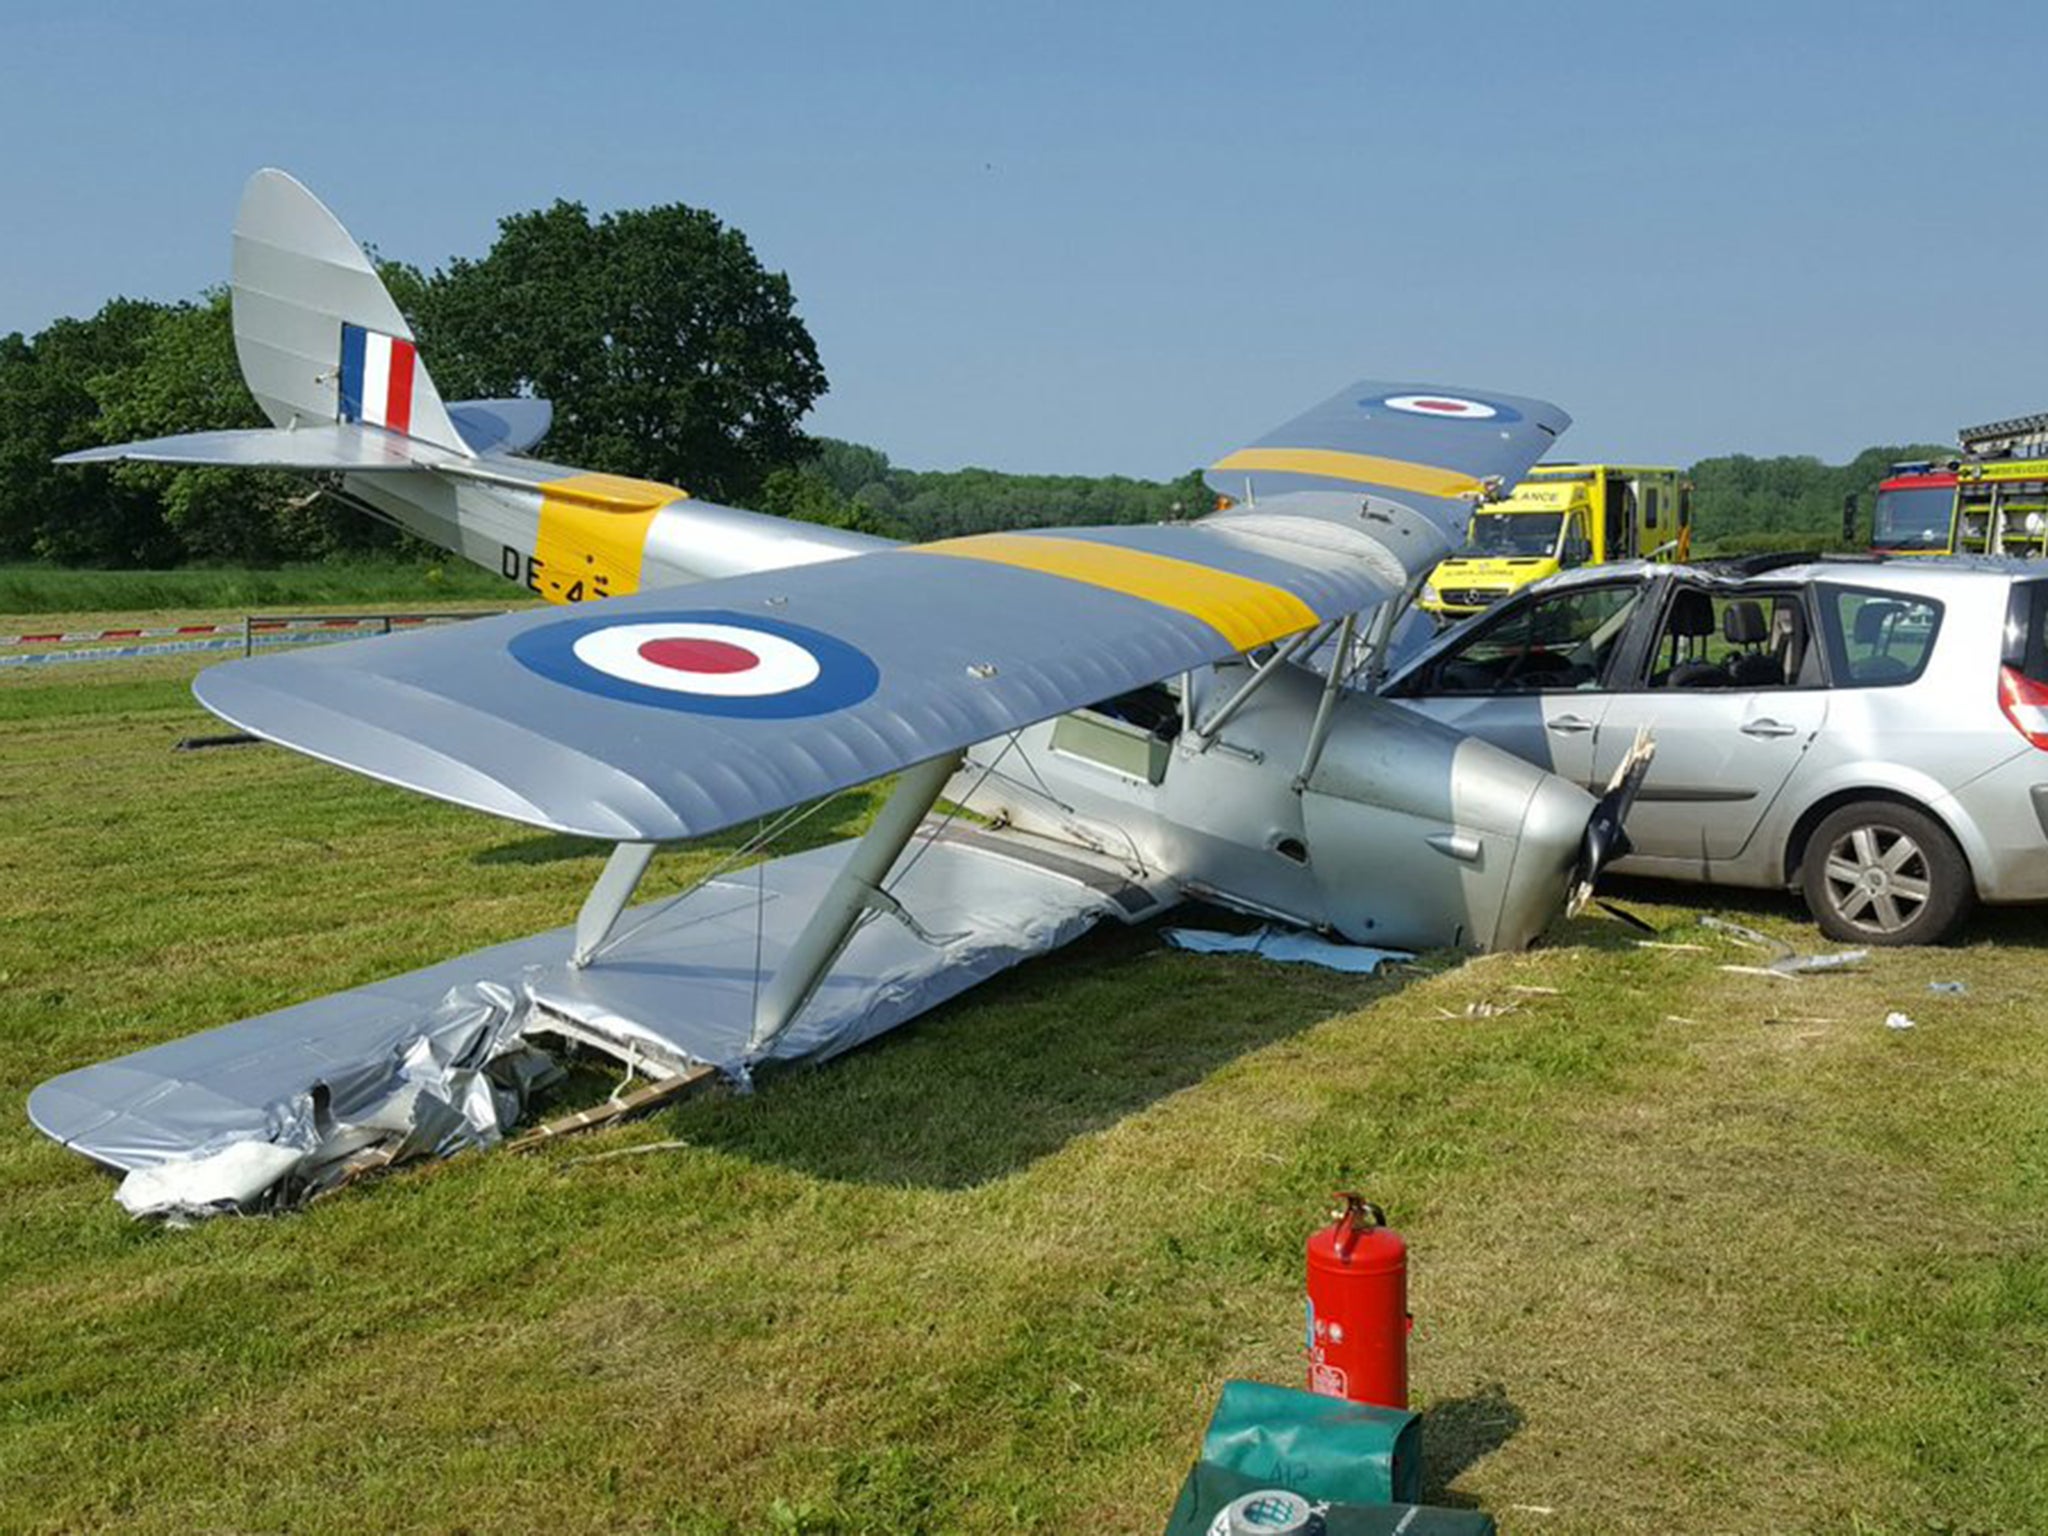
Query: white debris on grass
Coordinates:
[1289,945]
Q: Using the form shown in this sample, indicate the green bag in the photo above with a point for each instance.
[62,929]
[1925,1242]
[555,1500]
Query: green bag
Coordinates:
[1209,1490]
[1319,1447]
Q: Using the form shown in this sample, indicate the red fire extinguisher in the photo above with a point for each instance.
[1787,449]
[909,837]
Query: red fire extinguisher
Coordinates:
[1358,1318]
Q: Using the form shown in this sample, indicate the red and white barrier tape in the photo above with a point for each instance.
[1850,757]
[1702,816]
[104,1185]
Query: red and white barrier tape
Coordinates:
[73,637]
[80,636]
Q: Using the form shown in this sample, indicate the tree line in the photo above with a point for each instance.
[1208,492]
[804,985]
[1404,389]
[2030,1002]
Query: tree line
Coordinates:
[669,352]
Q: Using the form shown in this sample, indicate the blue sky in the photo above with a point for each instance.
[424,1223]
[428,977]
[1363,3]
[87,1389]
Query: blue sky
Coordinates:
[1109,237]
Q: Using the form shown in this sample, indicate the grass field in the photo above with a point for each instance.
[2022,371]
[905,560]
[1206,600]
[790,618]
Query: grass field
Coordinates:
[1692,1250]
[46,589]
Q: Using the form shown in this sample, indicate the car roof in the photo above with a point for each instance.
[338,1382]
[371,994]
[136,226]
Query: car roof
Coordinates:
[1921,573]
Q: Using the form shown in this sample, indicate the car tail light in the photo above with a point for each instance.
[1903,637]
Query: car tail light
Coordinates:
[2025,703]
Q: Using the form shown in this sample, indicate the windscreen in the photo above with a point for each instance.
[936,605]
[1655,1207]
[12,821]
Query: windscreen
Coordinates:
[1513,533]
[1912,517]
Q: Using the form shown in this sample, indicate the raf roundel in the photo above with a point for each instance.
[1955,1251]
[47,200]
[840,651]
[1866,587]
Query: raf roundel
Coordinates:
[1443,407]
[706,663]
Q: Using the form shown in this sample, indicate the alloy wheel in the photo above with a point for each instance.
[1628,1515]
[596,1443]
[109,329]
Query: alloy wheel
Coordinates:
[1877,878]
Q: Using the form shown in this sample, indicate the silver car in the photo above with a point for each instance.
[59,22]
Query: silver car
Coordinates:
[1871,733]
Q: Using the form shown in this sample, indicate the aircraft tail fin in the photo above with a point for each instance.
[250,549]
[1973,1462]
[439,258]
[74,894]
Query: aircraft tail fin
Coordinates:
[319,337]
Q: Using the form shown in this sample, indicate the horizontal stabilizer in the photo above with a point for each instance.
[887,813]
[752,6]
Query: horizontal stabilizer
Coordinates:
[502,426]
[341,445]
[674,714]
[487,426]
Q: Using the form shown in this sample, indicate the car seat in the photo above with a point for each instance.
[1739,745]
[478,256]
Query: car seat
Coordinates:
[1690,622]
[1743,624]
[1873,629]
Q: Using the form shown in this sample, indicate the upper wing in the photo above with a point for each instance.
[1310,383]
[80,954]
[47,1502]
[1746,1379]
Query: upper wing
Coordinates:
[1431,447]
[672,714]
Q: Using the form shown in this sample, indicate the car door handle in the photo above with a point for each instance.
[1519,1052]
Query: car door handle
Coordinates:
[1768,727]
[1568,725]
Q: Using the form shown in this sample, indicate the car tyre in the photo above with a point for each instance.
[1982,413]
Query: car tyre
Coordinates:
[1880,873]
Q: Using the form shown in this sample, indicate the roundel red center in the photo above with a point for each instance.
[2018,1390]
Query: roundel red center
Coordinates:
[1441,405]
[683,654]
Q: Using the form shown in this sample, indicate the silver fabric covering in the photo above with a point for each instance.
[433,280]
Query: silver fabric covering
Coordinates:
[298,275]
[338,445]
[1359,420]
[444,1058]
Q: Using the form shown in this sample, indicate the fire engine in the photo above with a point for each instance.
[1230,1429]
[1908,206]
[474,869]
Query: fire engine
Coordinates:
[1990,500]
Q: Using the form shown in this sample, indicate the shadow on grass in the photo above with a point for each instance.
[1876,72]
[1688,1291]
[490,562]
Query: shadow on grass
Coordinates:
[546,848]
[841,817]
[1058,1048]
[1458,1434]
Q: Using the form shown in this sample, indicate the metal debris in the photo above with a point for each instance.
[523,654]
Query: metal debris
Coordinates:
[1786,962]
[1948,988]
[1743,935]
[1479,1009]
[1801,965]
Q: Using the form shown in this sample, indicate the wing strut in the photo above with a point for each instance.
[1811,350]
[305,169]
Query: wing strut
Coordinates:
[855,890]
[1302,643]
[1333,684]
[607,900]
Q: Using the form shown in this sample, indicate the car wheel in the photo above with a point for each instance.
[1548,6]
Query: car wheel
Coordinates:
[1879,873]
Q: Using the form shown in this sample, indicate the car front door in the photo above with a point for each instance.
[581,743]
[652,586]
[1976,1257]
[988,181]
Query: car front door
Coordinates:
[1733,694]
[1530,677]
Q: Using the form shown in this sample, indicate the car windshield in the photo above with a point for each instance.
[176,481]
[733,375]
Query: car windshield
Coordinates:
[1912,517]
[1513,533]
[1561,641]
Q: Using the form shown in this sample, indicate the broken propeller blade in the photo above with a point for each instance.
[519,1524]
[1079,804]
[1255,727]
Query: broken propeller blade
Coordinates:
[1606,836]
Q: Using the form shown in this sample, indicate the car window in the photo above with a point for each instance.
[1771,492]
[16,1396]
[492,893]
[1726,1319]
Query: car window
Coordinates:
[2026,630]
[1749,638]
[1559,641]
[1877,639]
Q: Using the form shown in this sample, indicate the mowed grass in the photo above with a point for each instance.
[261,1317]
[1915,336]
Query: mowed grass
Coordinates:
[1692,1250]
[47,589]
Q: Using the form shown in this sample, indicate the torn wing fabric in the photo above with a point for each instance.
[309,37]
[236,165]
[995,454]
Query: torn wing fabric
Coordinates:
[1427,446]
[677,713]
[457,1077]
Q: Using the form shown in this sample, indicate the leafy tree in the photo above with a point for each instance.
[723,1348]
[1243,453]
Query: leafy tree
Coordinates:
[1792,501]
[807,494]
[183,377]
[666,347]
[47,407]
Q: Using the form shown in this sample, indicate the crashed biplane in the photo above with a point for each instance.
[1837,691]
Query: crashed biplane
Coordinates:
[1139,715]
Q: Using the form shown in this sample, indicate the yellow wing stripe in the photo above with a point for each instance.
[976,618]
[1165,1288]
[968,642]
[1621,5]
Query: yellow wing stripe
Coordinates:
[1245,611]
[1364,468]
[593,531]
